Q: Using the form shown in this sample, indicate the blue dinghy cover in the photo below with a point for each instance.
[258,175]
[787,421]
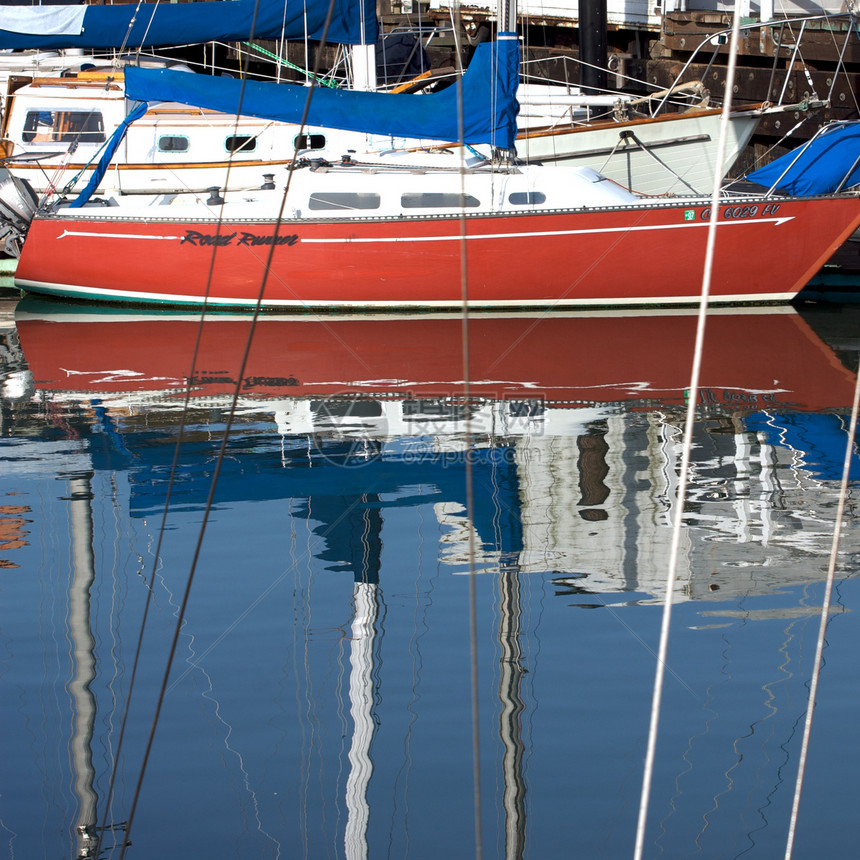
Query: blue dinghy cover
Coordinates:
[488,99]
[820,168]
[163,24]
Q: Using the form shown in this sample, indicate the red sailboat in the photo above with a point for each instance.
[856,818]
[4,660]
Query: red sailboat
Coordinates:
[383,236]
[754,358]
[358,239]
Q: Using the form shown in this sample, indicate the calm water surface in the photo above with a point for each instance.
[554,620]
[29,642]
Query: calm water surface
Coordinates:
[377,526]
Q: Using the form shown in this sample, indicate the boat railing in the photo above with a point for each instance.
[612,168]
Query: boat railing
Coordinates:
[720,39]
[798,153]
[679,95]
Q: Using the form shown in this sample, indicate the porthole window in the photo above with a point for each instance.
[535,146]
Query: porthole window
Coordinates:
[172,143]
[240,143]
[437,200]
[309,141]
[527,198]
[341,201]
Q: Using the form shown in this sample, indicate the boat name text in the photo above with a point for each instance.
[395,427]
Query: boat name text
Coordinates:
[218,378]
[194,237]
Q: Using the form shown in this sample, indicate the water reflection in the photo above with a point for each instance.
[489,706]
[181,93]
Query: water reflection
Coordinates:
[364,430]
[574,448]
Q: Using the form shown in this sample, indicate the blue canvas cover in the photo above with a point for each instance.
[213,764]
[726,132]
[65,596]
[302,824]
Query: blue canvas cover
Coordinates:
[489,106]
[163,24]
[819,440]
[820,168]
[107,155]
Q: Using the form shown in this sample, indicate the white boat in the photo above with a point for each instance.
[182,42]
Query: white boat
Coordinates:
[56,127]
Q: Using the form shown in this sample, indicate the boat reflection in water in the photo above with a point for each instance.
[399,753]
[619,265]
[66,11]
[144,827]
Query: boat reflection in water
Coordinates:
[349,451]
[564,415]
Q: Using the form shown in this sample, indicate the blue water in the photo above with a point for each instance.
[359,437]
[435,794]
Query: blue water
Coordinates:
[321,700]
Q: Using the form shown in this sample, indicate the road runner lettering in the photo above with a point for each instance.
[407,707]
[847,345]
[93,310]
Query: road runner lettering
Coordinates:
[254,239]
[270,381]
[210,377]
[193,237]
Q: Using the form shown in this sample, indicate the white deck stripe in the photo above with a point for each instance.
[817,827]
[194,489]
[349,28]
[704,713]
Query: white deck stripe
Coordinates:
[112,235]
[457,237]
[544,233]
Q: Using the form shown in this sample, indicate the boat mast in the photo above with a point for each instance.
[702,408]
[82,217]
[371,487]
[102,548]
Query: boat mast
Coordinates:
[363,59]
[507,16]
[83,643]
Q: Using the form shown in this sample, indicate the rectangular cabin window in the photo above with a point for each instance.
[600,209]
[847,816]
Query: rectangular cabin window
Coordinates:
[172,143]
[526,198]
[342,200]
[309,141]
[63,126]
[240,143]
[437,200]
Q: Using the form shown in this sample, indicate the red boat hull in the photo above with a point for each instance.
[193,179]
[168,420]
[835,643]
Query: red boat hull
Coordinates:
[765,251]
[753,358]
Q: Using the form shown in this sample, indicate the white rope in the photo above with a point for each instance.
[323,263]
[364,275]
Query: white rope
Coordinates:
[825,614]
[693,397]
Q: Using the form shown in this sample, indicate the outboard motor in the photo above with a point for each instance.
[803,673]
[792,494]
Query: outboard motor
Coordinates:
[18,205]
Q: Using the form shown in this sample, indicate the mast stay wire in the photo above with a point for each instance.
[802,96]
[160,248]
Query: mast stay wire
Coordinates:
[824,619]
[467,447]
[219,460]
[156,557]
[174,465]
[692,398]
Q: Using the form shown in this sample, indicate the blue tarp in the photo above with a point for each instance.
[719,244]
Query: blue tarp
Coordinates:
[489,106]
[164,24]
[104,162]
[820,167]
[819,440]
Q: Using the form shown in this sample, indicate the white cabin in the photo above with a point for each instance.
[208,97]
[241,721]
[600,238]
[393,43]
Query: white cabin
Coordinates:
[55,130]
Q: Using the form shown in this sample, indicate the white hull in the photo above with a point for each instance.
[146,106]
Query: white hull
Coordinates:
[176,149]
[679,154]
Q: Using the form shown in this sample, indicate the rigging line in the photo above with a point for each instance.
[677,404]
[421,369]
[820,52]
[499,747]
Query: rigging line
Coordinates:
[283,47]
[825,613]
[681,493]
[307,555]
[155,564]
[131,27]
[220,459]
[840,63]
[163,525]
[470,495]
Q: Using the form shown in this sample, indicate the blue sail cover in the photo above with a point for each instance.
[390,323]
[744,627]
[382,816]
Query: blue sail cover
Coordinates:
[163,24]
[489,106]
[820,168]
[104,162]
